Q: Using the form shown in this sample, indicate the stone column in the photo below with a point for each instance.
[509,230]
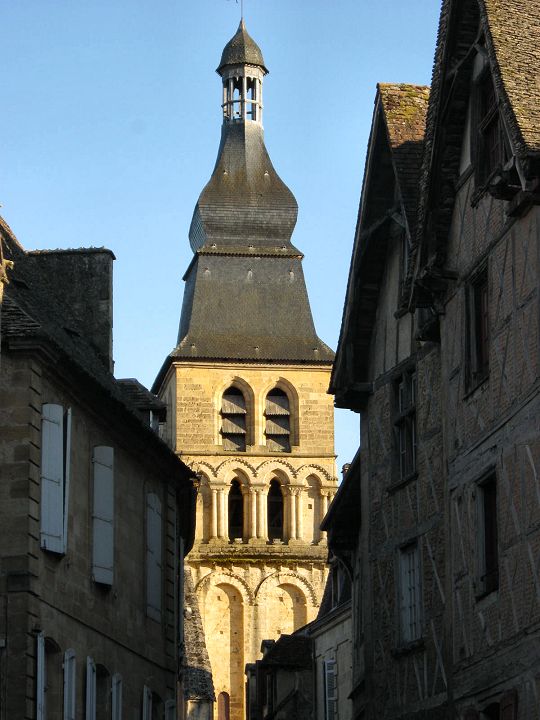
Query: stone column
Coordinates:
[245,514]
[299,514]
[261,508]
[324,510]
[292,514]
[222,514]
[213,528]
[253,514]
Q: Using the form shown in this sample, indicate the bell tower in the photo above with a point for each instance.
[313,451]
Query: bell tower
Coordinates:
[245,388]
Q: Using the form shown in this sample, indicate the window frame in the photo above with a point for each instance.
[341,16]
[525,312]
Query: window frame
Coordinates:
[330,687]
[489,157]
[269,416]
[224,415]
[410,623]
[488,567]
[478,340]
[405,389]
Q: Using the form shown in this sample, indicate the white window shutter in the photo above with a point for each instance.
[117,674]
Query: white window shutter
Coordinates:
[90,689]
[116,713]
[69,684]
[103,515]
[153,556]
[52,478]
[170,710]
[40,678]
[67,472]
[147,703]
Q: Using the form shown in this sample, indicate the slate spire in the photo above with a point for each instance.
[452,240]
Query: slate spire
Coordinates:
[245,295]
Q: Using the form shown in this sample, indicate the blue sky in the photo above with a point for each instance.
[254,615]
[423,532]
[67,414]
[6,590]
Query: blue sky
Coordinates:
[110,128]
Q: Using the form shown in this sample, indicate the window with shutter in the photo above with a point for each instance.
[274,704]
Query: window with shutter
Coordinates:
[153,556]
[330,690]
[90,689]
[147,703]
[41,712]
[103,515]
[116,697]
[278,421]
[234,420]
[170,710]
[70,668]
[52,478]
[67,473]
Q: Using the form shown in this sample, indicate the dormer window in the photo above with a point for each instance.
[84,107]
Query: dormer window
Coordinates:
[278,421]
[491,150]
[233,420]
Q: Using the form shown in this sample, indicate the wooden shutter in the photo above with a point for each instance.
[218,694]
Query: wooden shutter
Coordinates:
[153,556]
[69,684]
[116,699]
[508,705]
[103,515]
[170,710]
[67,471]
[147,703]
[52,478]
[90,689]
[40,677]
[330,689]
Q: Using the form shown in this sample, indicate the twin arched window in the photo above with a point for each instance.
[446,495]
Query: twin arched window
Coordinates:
[235,422]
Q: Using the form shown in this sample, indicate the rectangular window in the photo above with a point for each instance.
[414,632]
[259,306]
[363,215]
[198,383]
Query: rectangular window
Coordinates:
[410,593]
[90,689]
[70,669]
[491,149]
[55,475]
[330,690]
[478,327]
[154,562]
[488,553]
[116,697]
[103,515]
[405,424]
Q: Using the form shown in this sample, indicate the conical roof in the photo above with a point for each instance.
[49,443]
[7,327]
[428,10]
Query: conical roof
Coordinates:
[241,50]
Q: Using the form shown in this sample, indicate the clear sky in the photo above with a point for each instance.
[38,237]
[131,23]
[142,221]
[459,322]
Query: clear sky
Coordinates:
[110,127]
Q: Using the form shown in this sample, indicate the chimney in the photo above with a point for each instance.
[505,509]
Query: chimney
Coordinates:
[82,280]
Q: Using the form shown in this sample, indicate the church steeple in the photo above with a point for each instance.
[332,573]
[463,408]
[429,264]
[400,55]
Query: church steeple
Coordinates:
[242,70]
[245,293]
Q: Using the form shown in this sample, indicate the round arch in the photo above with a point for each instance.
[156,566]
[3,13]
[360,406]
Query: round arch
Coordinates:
[289,389]
[249,396]
[216,577]
[286,578]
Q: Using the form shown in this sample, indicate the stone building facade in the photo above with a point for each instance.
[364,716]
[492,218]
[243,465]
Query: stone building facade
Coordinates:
[439,354]
[246,391]
[96,512]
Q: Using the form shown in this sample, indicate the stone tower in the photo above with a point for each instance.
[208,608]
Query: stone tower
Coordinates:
[246,394]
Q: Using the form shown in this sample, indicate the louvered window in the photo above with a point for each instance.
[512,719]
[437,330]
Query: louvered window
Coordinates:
[278,421]
[103,515]
[233,420]
[330,690]
[55,473]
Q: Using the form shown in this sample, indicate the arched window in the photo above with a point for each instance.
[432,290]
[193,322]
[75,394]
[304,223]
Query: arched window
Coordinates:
[223,706]
[236,515]
[233,420]
[278,421]
[275,511]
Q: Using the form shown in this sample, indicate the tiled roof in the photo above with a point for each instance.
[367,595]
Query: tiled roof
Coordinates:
[139,396]
[405,108]
[290,651]
[513,26]
[241,50]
